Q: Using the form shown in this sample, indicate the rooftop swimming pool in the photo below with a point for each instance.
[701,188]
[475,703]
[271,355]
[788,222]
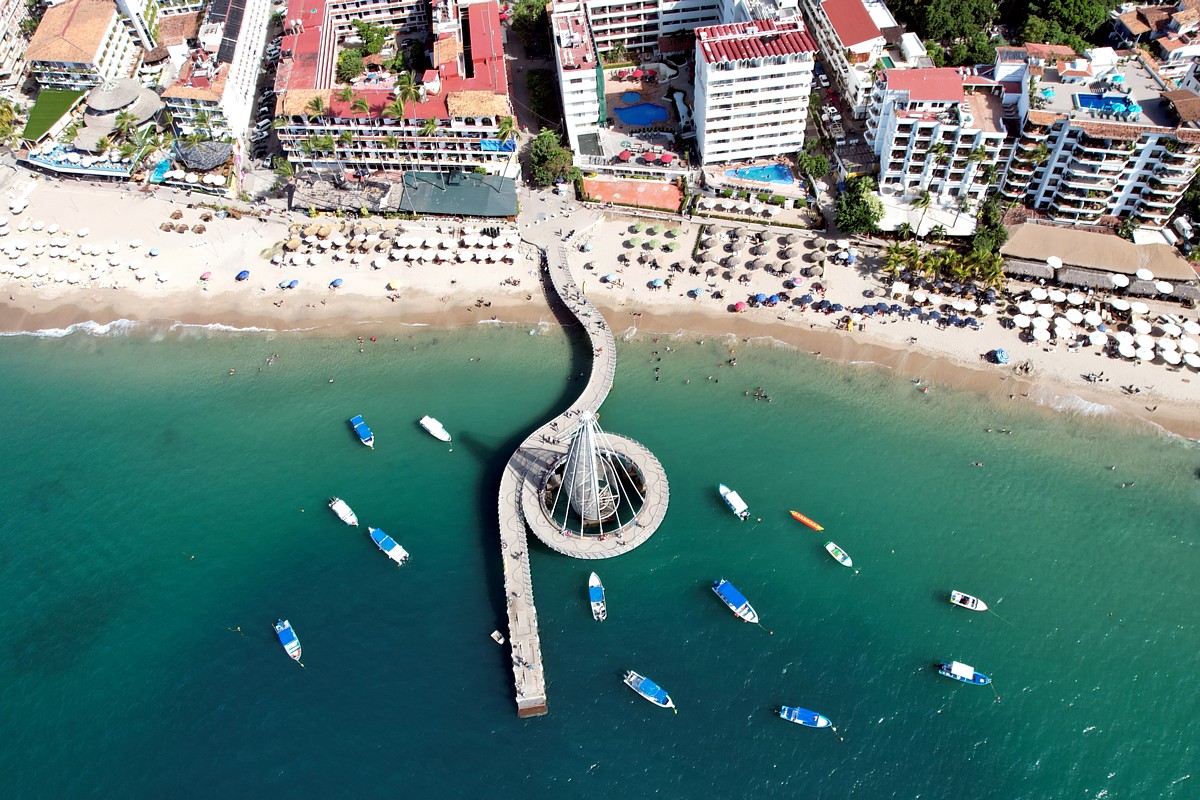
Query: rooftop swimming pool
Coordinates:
[768,173]
[630,98]
[887,62]
[1099,102]
[642,114]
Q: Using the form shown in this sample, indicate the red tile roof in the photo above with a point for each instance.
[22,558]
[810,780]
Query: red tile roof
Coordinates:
[742,40]
[851,21]
[938,84]
[1050,52]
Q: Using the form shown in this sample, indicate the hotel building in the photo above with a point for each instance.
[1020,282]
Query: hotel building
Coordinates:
[638,24]
[850,36]
[753,80]
[213,93]
[453,125]
[81,43]
[937,130]
[1101,137]
[12,41]
[580,75]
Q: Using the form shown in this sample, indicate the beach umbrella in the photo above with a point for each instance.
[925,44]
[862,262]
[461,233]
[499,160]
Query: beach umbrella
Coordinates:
[969,306]
[335,283]
[739,306]
[835,307]
[1092,318]
[920,296]
[773,298]
[609,278]
[1144,354]
[1054,262]
[1191,327]
[1138,307]
[882,308]
[1119,280]
[1189,345]
[1163,287]
[1041,334]
[283,284]
[1171,329]
[1075,299]
[1192,360]
[1119,303]
[806,299]
[1123,337]
[1038,293]
[243,275]
[1021,321]
[696,292]
[867,311]
[1000,355]
[1045,310]
[1057,296]
[205,276]
[760,298]
[1126,350]
[1074,316]
[58,277]
[657,283]
[293,284]
[163,277]
[1165,345]
[153,251]
[1039,322]
[1144,341]
[1097,338]
[935,315]
[1144,274]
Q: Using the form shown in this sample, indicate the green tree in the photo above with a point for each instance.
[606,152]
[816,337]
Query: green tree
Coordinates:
[126,123]
[316,107]
[813,164]
[373,36]
[551,161]
[528,19]
[345,94]
[904,230]
[359,105]
[922,203]
[349,64]
[858,210]
[408,91]
[506,129]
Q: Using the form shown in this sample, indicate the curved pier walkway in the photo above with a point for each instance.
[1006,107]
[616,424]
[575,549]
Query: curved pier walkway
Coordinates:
[524,477]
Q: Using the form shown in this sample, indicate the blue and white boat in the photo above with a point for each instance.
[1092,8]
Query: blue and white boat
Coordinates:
[736,601]
[596,597]
[648,689]
[736,504]
[802,716]
[963,672]
[287,638]
[364,433]
[388,545]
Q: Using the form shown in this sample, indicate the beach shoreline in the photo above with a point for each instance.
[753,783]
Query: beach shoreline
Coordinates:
[166,290]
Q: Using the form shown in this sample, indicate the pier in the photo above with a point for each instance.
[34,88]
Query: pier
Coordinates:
[520,506]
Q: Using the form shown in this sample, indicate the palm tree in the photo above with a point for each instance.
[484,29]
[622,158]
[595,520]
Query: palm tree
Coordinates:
[344,95]
[346,138]
[126,123]
[937,153]
[976,155]
[904,230]
[395,110]
[202,121]
[922,203]
[407,90]
[359,105]
[895,258]
[506,129]
[937,231]
[128,150]
[429,128]
[391,142]
[103,145]
[316,107]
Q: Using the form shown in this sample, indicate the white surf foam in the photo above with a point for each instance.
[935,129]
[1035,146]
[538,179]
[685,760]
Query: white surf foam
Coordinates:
[118,327]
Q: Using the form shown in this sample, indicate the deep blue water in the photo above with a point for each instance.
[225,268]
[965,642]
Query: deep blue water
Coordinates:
[641,114]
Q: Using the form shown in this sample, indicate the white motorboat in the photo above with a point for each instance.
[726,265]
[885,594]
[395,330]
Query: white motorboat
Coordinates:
[343,511]
[434,428]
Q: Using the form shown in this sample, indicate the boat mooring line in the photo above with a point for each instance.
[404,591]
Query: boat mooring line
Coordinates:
[833,728]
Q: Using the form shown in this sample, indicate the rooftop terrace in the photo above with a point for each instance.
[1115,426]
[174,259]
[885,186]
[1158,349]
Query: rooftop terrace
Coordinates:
[1099,91]
[573,40]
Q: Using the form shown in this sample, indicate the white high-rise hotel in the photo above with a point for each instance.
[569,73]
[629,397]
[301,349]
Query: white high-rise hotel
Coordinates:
[753,80]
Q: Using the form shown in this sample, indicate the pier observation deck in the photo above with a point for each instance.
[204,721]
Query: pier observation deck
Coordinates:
[524,480]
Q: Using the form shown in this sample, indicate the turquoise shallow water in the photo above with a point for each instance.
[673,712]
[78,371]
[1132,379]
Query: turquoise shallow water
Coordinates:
[124,674]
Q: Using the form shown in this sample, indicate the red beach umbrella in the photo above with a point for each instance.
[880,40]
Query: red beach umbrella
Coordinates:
[624,155]
[666,158]
[206,276]
[637,73]
[649,156]
[739,307]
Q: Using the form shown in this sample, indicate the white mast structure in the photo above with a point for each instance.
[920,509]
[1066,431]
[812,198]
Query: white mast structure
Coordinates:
[593,476]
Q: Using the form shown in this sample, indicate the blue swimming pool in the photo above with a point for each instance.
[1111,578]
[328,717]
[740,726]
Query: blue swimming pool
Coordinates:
[1099,102]
[642,114]
[770,173]
[630,98]
[160,169]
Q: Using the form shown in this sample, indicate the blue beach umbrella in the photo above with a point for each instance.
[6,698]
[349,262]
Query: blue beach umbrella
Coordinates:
[895,309]
[293,284]
[821,305]
[935,315]
[806,299]
[837,307]
[915,311]
[868,310]
[609,278]
[243,275]
[1118,78]
[153,251]
[850,257]
[760,298]
[881,307]
[335,283]
[773,298]
[1000,355]
[656,283]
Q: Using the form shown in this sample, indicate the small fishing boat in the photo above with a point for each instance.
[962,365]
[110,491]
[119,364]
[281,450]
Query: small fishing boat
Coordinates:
[287,638]
[841,555]
[343,511]
[736,504]
[802,716]
[497,637]
[434,428]
[736,601]
[796,515]
[963,672]
[967,601]
[364,433]
[596,596]
[648,689]
[388,545]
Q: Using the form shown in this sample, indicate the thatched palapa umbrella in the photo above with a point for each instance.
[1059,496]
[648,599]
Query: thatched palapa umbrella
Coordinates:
[292,244]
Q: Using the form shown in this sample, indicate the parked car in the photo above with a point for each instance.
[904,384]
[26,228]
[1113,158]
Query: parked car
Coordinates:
[258,137]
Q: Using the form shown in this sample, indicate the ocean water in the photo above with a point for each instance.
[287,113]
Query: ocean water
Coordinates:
[154,505]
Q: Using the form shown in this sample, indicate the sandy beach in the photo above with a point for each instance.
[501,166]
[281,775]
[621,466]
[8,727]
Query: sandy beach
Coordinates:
[461,288]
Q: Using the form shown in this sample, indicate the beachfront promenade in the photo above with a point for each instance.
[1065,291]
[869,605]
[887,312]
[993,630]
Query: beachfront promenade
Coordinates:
[524,478]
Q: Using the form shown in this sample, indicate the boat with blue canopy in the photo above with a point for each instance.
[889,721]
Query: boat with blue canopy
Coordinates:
[736,601]
[802,716]
[962,672]
[388,545]
[649,690]
[364,433]
[287,638]
[596,597]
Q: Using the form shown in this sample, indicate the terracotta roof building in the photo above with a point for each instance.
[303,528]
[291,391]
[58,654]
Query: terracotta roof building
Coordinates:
[850,36]
[80,43]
